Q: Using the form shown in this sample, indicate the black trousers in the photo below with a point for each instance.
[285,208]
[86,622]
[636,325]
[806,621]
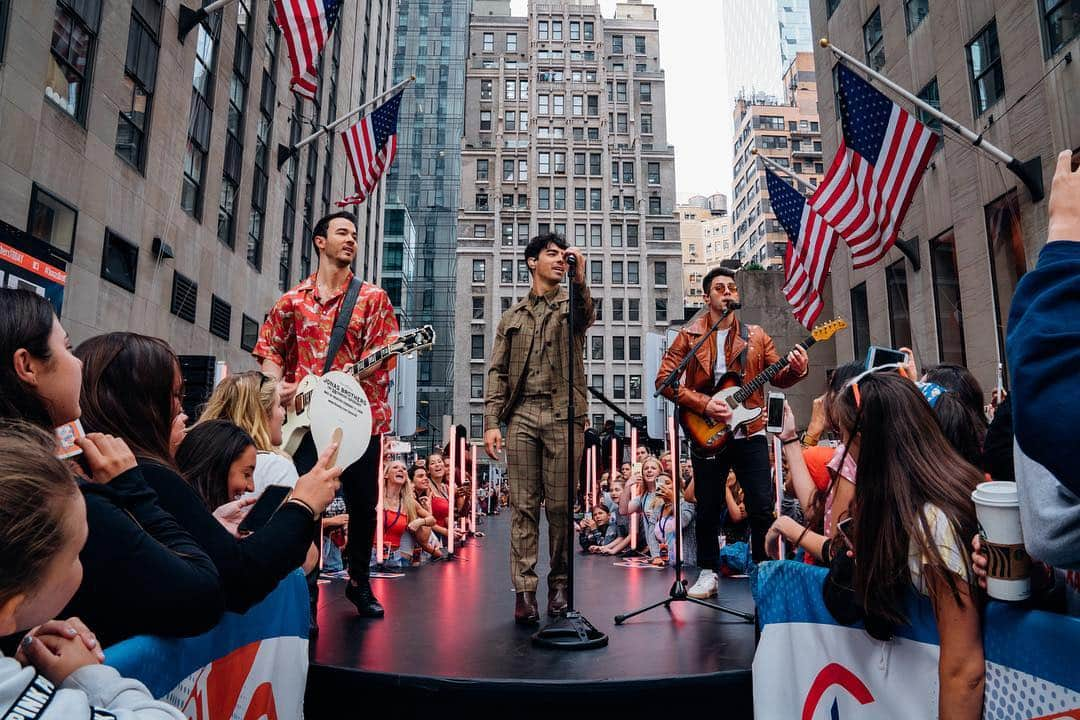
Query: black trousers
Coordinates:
[749,457]
[360,486]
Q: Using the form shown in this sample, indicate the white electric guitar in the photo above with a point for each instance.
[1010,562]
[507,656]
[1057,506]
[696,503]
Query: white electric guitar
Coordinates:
[297,419]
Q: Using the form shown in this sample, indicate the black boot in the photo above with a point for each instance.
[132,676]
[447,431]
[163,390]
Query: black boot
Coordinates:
[359,593]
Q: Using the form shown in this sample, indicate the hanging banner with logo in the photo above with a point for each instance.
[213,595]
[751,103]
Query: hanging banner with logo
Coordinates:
[252,665]
[27,263]
[809,666]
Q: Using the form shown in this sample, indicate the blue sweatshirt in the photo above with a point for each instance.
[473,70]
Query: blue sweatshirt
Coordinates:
[1044,361]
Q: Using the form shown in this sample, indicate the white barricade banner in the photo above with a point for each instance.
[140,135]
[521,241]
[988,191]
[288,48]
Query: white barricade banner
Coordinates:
[249,667]
[809,666]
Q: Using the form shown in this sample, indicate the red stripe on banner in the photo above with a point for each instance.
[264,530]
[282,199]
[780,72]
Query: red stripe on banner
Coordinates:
[318,27]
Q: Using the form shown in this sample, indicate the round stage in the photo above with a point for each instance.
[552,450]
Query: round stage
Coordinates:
[449,643]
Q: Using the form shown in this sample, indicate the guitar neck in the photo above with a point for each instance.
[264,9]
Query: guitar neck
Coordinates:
[767,374]
[371,360]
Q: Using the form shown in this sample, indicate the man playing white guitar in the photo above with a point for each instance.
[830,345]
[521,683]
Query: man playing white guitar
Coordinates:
[746,349]
[294,342]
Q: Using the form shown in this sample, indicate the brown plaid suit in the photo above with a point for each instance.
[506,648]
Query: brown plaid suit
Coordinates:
[536,421]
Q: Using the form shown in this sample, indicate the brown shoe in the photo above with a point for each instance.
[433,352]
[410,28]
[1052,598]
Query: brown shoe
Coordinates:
[556,600]
[525,610]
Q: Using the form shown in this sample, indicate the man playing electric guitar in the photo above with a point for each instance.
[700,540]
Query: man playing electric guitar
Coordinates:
[294,342]
[746,349]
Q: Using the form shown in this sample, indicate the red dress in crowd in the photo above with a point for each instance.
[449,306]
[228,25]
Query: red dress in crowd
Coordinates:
[440,508]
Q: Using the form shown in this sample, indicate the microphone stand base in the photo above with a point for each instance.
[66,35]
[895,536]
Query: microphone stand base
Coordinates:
[570,632]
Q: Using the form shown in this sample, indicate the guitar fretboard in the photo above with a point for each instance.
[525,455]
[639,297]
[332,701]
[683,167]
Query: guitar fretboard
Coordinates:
[766,375]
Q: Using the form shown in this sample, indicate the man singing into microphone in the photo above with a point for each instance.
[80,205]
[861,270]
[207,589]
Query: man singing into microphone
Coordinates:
[527,391]
[746,349]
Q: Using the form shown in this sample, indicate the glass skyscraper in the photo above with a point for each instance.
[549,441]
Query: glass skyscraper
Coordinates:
[426,180]
[795,33]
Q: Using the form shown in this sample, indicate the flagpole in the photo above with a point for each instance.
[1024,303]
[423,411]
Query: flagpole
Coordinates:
[284,152]
[188,18]
[769,162]
[1029,173]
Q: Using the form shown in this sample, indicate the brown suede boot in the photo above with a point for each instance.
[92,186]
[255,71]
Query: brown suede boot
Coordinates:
[525,610]
[556,600]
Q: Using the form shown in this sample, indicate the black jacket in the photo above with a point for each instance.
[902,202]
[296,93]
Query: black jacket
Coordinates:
[143,573]
[251,567]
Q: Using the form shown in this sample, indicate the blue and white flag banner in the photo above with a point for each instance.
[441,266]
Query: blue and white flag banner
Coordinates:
[249,666]
[809,666]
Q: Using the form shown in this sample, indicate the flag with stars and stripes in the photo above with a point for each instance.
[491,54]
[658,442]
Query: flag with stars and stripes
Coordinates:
[809,251]
[306,25]
[370,146]
[881,159]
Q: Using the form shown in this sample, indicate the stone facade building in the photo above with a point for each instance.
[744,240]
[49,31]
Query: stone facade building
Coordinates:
[149,165]
[1001,68]
[566,132]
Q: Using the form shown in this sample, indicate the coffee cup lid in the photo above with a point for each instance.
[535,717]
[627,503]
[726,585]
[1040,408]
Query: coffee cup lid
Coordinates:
[996,492]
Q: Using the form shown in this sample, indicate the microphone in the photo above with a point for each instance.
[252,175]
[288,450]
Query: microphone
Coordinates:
[731,307]
[571,263]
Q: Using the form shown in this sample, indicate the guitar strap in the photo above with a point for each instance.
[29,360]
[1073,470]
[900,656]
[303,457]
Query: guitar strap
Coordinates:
[341,323]
[742,355]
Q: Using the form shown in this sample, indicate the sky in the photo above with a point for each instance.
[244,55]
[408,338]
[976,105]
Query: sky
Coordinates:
[698,100]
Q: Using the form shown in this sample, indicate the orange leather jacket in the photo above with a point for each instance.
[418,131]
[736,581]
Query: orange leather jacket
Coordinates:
[694,392]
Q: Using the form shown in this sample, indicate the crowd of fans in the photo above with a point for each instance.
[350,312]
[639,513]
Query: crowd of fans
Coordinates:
[877,488]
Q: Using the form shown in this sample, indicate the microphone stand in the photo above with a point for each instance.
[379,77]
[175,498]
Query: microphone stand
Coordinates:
[678,593]
[571,631]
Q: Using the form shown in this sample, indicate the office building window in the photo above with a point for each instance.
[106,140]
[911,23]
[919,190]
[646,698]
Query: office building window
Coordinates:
[557,108]
[661,310]
[485,119]
[1008,258]
[52,220]
[477,349]
[267,103]
[899,314]
[633,310]
[631,232]
[915,11]
[119,261]
[635,347]
[1060,20]
[645,92]
[616,236]
[507,229]
[595,199]
[654,206]
[506,271]
[597,271]
[479,271]
[543,198]
[140,74]
[489,42]
[660,270]
[476,386]
[616,272]
[200,115]
[597,347]
[481,169]
[476,425]
[579,198]
[948,310]
[71,57]
[874,41]
[617,44]
[618,348]
[618,387]
[597,383]
[556,30]
[654,173]
[929,95]
[628,172]
[658,234]
[249,333]
[860,321]
[639,44]
[984,69]
[511,42]
[485,89]
[523,272]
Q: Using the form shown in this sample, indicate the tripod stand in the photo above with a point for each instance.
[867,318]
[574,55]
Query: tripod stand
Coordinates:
[678,593]
[571,631]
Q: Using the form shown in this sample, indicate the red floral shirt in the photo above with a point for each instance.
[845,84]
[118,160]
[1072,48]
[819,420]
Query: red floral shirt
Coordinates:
[296,336]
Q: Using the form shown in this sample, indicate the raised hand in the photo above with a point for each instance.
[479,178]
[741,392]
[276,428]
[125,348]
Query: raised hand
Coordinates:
[106,455]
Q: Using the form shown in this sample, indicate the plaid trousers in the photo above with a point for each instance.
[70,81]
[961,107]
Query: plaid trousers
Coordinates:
[536,466]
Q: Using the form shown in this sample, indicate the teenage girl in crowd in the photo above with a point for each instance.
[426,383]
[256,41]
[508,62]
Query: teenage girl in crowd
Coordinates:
[179,590]
[57,674]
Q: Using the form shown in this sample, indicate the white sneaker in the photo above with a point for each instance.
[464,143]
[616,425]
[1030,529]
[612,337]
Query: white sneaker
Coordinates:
[705,587]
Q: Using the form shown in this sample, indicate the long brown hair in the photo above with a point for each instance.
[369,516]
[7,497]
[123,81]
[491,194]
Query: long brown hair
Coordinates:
[905,463]
[205,456]
[34,486]
[26,321]
[127,391]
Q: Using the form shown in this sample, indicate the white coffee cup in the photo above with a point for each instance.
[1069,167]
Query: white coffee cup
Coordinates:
[1009,570]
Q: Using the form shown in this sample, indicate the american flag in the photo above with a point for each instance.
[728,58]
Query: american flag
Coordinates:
[307,25]
[809,252]
[873,177]
[370,146]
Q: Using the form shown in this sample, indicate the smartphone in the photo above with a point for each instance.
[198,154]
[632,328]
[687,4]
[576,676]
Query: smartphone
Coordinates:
[844,528]
[775,422]
[878,356]
[264,508]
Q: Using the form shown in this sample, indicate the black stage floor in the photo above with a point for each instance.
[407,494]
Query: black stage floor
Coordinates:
[449,642]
